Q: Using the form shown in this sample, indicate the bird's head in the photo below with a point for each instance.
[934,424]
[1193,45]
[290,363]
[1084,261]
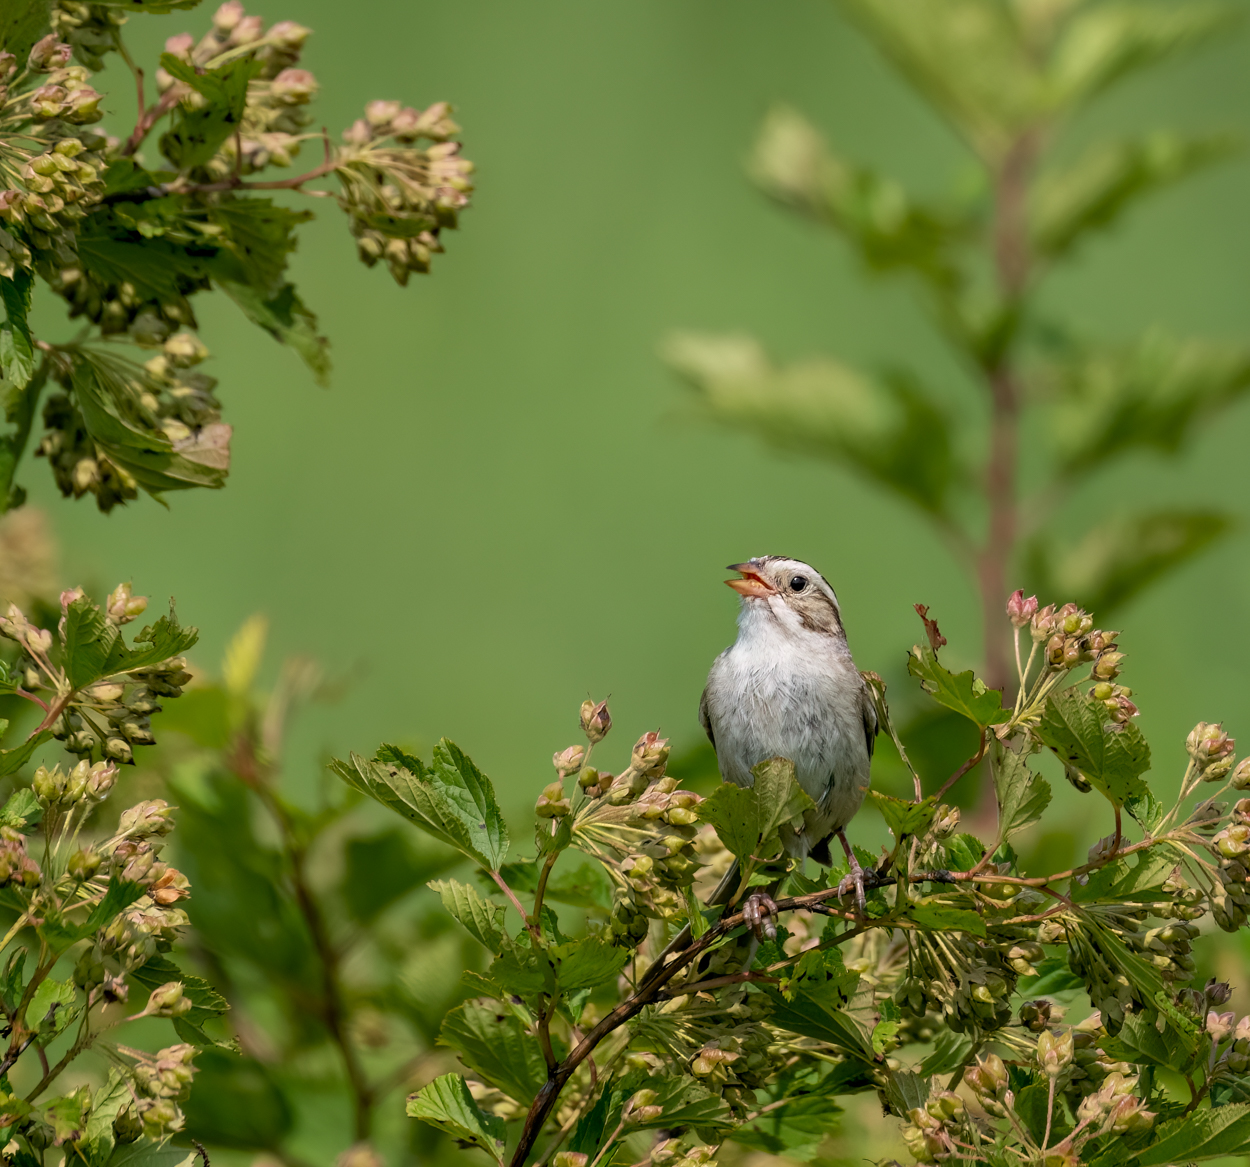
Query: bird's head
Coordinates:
[792,591]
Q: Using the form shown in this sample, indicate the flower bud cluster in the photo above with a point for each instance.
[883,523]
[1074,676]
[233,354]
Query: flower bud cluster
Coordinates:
[397,194]
[1115,1107]
[16,866]
[1211,751]
[160,1082]
[1230,897]
[84,783]
[1069,637]
[969,982]
[1116,699]
[931,1129]
[670,1153]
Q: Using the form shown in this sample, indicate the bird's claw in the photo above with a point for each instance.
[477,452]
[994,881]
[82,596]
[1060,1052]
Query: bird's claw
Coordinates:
[854,879]
[760,913]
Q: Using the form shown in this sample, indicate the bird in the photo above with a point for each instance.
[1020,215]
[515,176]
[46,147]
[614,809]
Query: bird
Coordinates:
[788,687]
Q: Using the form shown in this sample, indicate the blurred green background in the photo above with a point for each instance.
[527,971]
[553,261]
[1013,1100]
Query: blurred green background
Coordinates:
[501,506]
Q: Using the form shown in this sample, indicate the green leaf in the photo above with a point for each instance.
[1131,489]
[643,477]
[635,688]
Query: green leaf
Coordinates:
[684,1102]
[932,914]
[584,964]
[98,1140]
[965,693]
[889,430]
[950,1051]
[902,817]
[88,640]
[968,58]
[906,1090]
[61,934]
[284,316]
[1022,795]
[1150,394]
[1119,558]
[1103,43]
[236,1103]
[1094,192]
[51,1009]
[447,1104]
[734,812]
[813,1002]
[453,801]
[492,1041]
[22,808]
[68,1115]
[206,1002]
[17,346]
[782,800]
[794,1130]
[792,162]
[481,919]
[384,867]
[197,134]
[143,1153]
[1112,757]
[13,760]
[154,645]
[257,235]
[1204,1134]
[1141,1042]
[22,22]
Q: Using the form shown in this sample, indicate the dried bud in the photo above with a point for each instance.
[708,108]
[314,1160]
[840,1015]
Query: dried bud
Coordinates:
[123,606]
[596,721]
[1019,610]
[650,755]
[569,761]
[709,1059]
[1218,992]
[49,53]
[1043,623]
[945,821]
[1035,1015]
[1220,1025]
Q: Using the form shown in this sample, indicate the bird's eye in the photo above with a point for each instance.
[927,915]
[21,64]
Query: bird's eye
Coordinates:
[798,583]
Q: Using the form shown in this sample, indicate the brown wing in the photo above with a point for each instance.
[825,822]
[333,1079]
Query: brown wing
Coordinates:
[869,715]
[704,720]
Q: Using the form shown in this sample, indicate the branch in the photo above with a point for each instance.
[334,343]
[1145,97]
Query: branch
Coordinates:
[234,182]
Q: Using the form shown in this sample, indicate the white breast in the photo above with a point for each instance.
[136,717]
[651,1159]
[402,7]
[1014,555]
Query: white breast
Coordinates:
[785,692]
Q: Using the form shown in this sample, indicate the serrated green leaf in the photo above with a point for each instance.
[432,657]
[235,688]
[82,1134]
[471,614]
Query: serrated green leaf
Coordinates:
[782,800]
[584,964]
[906,1090]
[197,134]
[285,317]
[68,1115]
[963,852]
[22,23]
[950,1051]
[903,817]
[481,919]
[88,640]
[466,788]
[1022,795]
[98,1140]
[447,1104]
[21,808]
[153,645]
[1204,1134]
[964,693]
[17,346]
[13,760]
[257,236]
[492,1042]
[206,1002]
[1140,1041]
[1112,757]
[734,812]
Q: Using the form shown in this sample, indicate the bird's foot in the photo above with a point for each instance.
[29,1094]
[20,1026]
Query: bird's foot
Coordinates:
[854,879]
[760,913]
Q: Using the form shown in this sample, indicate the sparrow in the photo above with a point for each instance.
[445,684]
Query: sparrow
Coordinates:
[788,687]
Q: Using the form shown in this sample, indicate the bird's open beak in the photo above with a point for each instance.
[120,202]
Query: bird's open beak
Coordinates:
[751,583]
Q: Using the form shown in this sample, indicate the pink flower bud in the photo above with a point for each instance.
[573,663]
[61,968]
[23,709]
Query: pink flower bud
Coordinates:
[49,53]
[596,720]
[286,34]
[228,16]
[1019,610]
[569,761]
[380,113]
[180,45]
[294,86]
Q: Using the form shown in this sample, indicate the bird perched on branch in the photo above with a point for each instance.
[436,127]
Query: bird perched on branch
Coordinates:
[787,687]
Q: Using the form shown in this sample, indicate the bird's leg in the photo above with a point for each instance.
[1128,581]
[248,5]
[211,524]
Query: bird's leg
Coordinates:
[759,910]
[854,878]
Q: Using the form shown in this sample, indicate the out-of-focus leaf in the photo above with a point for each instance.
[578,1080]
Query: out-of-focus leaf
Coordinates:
[1022,795]
[447,1104]
[1150,395]
[950,1051]
[382,868]
[794,1130]
[889,430]
[22,22]
[17,347]
[491,1041]
[930,913]
[1204,1134]
[284,316]
[142,1153]
[1103,43]
[14,759]
[1098,188]
[257,235]
[481,919]
[968,57]
[1123,556]
[236,1103]
[59,933]
[965,692]
[1112,757]
[792,162]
